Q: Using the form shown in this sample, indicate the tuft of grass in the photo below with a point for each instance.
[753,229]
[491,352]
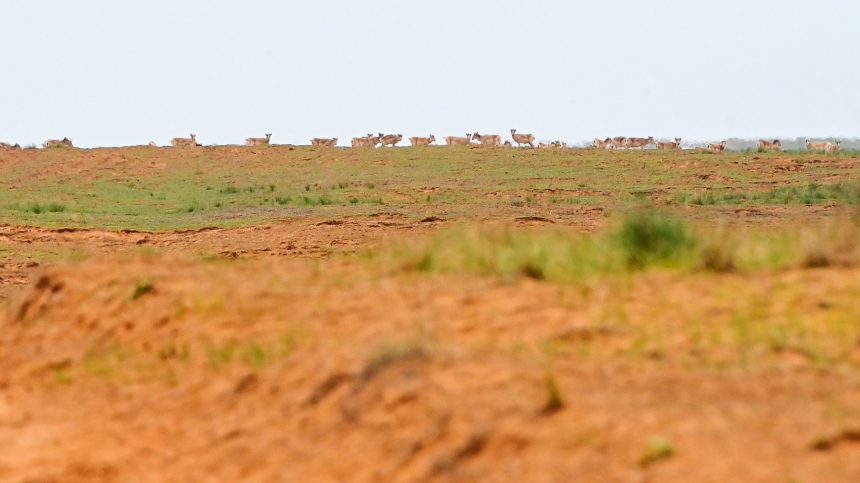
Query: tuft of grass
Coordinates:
[195,206]
[142,287]
[38,209]
[229,190]
[283,200]
[219,355]
[255,356]
[648,237]
[659,449]
[353,200]
[61,375]
[553,395]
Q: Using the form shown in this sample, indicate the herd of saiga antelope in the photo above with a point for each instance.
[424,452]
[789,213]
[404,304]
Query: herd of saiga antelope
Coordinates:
[482,140]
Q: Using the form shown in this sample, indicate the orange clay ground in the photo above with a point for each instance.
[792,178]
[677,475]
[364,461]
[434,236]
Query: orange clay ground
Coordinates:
[287,349]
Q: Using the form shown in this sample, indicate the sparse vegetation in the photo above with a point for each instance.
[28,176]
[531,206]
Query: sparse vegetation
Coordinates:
[38,208]
[142,287]
[659,448]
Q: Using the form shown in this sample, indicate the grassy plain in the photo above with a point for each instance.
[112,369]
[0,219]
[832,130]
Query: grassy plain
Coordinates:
[436,314]
[148,188]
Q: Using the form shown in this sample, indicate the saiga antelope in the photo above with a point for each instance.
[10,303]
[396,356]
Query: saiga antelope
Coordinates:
[258,141]
[184,142]
[763,145]
[390,139]
[57,143]
[605,144]
[834,148]
[10,146]
[717,148]
[422,141]
[669,144]
[638,143]
[822,146]
[488,139]
[619,141]
[455,140]
[362,141]
[323,142]
[521,139]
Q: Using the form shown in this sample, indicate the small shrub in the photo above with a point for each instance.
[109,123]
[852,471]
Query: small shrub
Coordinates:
[229,190]
[283,200]
[325,200]
[307,187]
[271,187]
[355,200]
[217,204]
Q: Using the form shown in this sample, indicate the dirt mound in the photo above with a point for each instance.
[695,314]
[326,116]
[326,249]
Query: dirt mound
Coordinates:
[171,369]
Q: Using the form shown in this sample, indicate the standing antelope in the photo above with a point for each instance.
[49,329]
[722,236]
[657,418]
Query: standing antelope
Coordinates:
[763,145]
[822,146]
[834,148]
[717,148]
[323,142]
[58,143]
[362,141]
[422,141]
[9,146]
[454,140]
[521,139]
[488,139]
[390,139]
[669,144]
[605,144]
[258,141]
[638,143]
[184,142]
[618,142]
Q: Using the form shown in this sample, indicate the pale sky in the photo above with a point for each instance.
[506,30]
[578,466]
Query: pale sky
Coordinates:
[109,73]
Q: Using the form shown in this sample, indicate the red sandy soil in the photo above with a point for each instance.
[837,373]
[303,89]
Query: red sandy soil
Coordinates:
[111,373]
